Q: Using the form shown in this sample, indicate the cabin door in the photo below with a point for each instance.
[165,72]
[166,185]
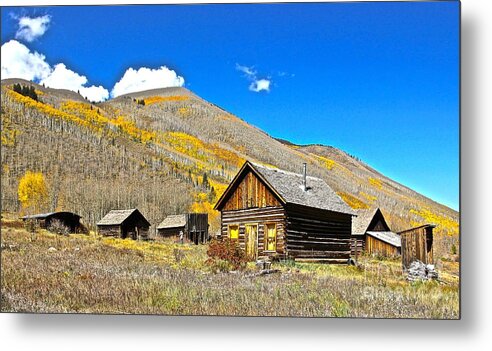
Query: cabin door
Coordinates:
[251,241]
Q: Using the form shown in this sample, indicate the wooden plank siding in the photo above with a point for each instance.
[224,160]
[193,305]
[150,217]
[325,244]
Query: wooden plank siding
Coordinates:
[377,247]
[416,244]
[251,192]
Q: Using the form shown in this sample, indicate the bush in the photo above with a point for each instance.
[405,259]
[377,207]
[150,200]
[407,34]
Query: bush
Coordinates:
[58,227]
[225,251]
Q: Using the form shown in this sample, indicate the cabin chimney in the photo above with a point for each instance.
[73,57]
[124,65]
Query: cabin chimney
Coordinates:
[304,176]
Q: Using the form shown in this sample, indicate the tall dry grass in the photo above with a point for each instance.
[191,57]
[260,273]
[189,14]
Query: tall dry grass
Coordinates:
[86,274]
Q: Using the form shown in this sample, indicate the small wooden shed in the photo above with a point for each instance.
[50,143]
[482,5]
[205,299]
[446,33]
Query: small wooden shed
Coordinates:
[272,212]
[68,219]
[124,224]
[194,227]
[416,244]
[372,234]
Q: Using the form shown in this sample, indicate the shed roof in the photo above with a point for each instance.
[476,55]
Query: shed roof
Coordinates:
[387,237]
[419,227]
[173,221]
[362,221]
[289,187]
[117,217]
[49,214]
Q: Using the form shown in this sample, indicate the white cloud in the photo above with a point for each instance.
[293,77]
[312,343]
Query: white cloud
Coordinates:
[63,78]
[32,28]
[259,85]
[248,71]
[146,78]
[19,62]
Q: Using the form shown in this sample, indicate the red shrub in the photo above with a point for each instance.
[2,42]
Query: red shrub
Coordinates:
[226,250]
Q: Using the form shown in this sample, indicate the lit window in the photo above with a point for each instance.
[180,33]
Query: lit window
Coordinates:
[271,237]
[233,232]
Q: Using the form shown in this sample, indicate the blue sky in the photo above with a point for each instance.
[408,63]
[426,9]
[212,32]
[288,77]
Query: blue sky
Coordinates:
[378,80]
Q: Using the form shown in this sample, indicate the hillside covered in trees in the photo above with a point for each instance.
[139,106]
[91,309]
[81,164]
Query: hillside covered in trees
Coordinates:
[167,151]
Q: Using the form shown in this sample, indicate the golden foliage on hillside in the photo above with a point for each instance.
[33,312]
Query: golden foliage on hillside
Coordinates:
[202,205]
[375,182]
[368,197]
[326,162]
[9,133]
[155,99]
[33,191]
[196,148]
[448,225]
[352,201]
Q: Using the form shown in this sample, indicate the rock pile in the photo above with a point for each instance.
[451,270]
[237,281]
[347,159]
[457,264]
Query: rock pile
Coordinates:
[420,271]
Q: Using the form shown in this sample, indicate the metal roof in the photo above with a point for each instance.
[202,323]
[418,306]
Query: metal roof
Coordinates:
[173,221]
[49,214]
[388,237]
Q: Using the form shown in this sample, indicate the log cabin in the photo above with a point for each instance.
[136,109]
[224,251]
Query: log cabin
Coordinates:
[416,244]
[275,213]
[124,224]
[67,219]
[194,227]
[372,234]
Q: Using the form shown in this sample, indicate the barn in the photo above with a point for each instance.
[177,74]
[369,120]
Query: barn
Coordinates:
[124,224]
[194,227]
[66,219]
[371,234]
[416,244]
[271,212]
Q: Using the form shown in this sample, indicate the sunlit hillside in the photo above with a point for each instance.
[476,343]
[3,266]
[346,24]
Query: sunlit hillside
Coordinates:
[167,151]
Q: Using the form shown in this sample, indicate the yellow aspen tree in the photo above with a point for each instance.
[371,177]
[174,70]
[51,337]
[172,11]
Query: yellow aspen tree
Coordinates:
[32,191]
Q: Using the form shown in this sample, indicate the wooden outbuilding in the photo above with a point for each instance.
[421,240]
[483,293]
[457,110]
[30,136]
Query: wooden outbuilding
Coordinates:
[372,234]
[193,227]
[67,219]
[271,212]
[124,224]
[416,244]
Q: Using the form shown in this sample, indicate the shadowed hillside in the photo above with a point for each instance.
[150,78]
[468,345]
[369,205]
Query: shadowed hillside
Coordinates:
[166,151]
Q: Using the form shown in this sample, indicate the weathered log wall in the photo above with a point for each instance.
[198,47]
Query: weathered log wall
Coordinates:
[109,230]
[357,242]
[313,233]
[261,217]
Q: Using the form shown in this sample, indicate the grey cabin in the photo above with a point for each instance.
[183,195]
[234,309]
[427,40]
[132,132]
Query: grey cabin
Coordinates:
[193,226]
[371,234]
[124,224]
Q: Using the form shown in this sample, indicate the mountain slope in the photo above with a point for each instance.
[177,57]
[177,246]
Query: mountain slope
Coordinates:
[155,156]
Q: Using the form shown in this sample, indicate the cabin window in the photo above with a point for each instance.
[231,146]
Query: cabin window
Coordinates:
[233,232]
[271,237]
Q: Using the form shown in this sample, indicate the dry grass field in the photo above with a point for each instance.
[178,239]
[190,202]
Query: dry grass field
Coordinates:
[50,273]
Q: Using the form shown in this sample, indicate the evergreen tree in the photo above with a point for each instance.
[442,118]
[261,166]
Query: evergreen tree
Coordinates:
[205,183]
[212,195]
